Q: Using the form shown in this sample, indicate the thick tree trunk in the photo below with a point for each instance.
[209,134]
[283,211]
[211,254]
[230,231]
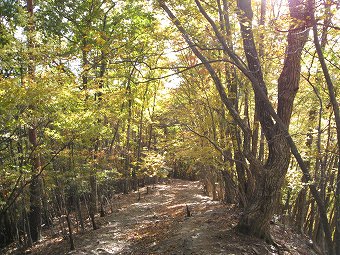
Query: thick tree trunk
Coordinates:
[262,203]
[269,179]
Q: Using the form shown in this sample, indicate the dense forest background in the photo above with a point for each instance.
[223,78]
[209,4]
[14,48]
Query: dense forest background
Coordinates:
[99,97]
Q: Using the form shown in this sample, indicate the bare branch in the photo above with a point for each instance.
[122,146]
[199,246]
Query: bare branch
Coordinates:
[16,192]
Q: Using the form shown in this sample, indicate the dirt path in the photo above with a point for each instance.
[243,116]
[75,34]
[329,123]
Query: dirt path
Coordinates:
[158,224]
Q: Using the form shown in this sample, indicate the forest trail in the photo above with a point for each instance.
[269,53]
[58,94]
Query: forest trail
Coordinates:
[158,224]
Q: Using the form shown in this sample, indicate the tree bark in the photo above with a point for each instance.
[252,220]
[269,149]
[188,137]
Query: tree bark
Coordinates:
[269,180]
[335,106]
[35,213]
[70,230]
[127,162]
[93,205]
[35,185]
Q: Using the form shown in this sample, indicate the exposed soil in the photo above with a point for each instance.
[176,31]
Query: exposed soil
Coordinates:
[158,224]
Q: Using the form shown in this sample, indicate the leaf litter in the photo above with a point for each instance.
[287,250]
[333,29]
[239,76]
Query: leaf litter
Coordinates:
[157,223]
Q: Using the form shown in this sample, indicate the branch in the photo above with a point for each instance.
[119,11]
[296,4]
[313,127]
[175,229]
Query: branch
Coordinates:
[174,73]
[216,146]
[17,192]
[257,88]
[210,69]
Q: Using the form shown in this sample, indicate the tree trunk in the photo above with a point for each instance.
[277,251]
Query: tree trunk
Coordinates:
[262,203]
[230,195]
[93,205]
[335,106]
[35,185]
[80,215]
[127,161]
[269,179]
[29,241]
[300,210]
[139,143]
[35,213]
[70,231]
